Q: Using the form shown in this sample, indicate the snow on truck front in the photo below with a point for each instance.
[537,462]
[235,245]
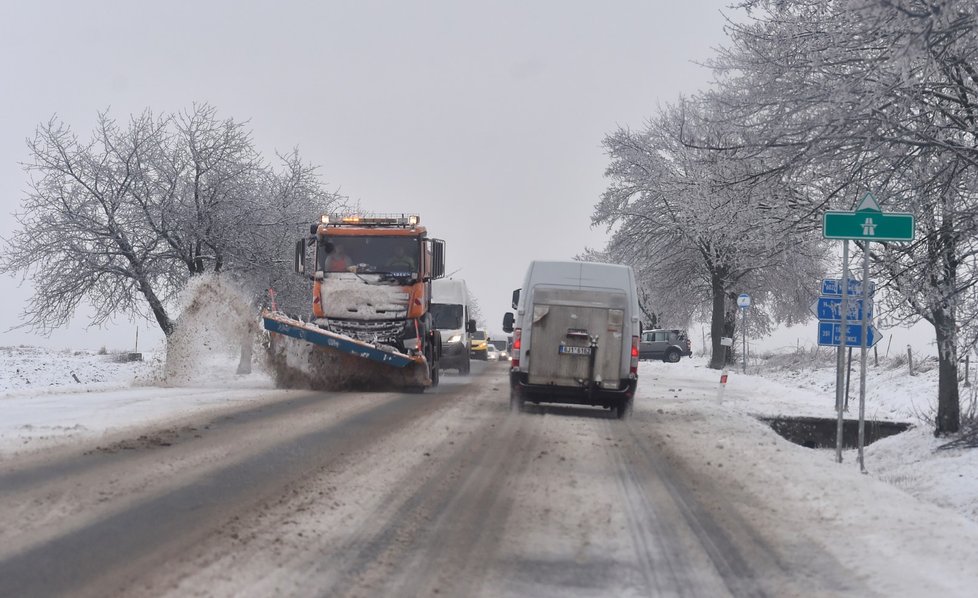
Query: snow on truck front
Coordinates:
[372,281]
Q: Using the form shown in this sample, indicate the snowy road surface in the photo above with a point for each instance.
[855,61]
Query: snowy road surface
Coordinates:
[446,493]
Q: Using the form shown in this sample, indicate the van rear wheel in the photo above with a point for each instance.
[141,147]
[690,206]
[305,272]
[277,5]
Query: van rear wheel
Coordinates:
[624,408]
[673,356]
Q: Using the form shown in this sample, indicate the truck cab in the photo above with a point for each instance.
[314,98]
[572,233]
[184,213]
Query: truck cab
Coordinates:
[372,279]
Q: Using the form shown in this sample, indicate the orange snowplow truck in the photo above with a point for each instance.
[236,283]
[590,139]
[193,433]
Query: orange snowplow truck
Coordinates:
[371,295]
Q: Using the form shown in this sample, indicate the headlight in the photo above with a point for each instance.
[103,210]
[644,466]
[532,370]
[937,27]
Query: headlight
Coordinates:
[455,338]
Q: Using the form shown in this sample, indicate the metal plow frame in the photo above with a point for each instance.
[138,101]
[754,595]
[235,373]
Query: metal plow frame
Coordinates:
[282,324]
[392,370]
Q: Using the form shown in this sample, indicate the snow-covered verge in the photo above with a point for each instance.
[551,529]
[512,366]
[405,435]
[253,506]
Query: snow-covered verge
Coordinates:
[803,384]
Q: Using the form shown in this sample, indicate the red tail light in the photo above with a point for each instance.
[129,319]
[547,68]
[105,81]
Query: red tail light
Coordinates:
[634,365]
[515,363]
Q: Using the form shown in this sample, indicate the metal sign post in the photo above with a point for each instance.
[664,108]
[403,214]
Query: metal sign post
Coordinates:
[840,354]
[863,344]
[867,223]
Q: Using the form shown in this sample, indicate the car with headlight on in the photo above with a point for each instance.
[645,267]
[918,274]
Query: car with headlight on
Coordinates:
[492,353]
[479,347]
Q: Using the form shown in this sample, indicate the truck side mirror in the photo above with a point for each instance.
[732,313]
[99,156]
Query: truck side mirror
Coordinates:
[470,326]
[300,256]
[437,258]
[508,320]
[516,299]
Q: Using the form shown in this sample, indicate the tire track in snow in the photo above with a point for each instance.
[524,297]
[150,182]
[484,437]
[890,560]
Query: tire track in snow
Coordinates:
[442,537]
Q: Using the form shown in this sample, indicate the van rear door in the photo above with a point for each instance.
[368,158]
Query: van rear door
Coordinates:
[564,323]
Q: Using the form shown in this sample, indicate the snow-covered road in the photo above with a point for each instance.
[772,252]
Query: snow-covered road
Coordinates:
[291,493]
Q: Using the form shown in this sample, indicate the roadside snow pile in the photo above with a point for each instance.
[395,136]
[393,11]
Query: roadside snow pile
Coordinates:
[217,322]
[23,368]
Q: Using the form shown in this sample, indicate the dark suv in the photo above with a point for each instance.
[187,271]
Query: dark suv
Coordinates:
[666,344]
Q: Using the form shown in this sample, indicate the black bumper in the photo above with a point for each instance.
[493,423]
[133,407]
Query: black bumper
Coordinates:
[572,395]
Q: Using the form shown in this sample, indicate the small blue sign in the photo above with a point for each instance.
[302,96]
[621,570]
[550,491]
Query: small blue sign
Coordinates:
[829,333]
[830,308]
[833,286]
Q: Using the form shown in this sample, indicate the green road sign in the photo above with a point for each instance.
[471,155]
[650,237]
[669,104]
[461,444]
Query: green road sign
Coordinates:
[868,223]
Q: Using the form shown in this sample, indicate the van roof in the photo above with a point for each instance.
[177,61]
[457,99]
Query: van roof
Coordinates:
[444,290]
[580,274]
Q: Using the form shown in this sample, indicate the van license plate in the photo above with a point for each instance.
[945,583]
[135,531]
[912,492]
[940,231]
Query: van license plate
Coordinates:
[565,350]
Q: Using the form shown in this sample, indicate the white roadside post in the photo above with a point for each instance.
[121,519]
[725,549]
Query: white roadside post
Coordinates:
[743,301]
[725,341]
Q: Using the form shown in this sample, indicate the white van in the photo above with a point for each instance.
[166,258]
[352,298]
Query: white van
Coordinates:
[450,312]
[575,336]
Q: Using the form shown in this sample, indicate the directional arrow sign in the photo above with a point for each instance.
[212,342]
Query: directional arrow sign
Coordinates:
[869,223]
[829,333]
[833,286]
[830,308]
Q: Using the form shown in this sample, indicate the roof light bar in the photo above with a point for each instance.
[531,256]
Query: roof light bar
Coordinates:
[371,220]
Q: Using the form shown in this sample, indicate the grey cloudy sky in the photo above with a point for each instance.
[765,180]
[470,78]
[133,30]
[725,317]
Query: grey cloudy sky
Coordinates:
[486,118]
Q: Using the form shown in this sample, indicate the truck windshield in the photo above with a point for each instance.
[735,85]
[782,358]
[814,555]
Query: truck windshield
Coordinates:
[394,255]
[447,317]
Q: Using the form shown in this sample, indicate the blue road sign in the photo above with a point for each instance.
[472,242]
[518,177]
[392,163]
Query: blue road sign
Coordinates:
[829,333]
[830,308]
[833,286]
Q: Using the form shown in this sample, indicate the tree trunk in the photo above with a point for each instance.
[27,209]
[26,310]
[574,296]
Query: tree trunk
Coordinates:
[730,324]
[159,312]
[717,323]
[948,420]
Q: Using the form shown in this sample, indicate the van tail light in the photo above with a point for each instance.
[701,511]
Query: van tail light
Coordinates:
[515,363]
[633,369]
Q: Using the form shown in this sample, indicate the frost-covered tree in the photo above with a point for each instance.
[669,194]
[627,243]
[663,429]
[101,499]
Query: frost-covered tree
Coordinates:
[125,218]
[863,94]
[700,226]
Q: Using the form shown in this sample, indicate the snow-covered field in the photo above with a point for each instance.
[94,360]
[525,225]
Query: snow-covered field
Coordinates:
[42,403]
[50,397]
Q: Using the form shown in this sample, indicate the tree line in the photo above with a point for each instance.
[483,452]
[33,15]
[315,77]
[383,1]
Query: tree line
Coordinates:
[124,218]
[813,103]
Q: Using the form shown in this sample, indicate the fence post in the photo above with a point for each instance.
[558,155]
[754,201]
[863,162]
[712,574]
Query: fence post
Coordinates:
[910,359]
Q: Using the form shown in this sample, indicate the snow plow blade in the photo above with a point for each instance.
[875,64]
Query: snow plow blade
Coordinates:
[317,336]
[324,360]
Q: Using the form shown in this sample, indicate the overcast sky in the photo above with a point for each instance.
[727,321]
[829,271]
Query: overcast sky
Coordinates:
[485,118]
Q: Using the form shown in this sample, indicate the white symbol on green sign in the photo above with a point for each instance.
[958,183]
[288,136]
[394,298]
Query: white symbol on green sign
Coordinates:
[868,222]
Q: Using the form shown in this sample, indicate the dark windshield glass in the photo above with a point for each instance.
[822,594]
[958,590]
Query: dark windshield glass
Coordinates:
[479,335]
[447,317]
[395,255]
